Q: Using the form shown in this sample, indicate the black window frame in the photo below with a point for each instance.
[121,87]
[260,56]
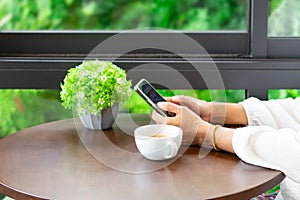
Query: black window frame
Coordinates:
[247,60]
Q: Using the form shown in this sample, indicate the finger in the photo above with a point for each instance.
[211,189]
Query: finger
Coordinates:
[172,100]
[159,119]
[187,101]
[168,106]
[168,99]
[177,99]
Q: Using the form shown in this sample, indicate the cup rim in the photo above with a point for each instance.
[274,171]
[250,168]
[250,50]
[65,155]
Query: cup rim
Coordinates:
[136,136]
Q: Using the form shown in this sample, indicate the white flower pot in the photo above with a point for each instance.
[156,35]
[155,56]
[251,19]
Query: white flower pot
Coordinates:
[102,121]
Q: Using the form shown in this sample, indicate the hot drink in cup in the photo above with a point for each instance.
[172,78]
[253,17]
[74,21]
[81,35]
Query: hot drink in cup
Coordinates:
[158,141]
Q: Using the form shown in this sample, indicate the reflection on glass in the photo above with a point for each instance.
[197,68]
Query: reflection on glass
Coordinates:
[123,14]
[284,19]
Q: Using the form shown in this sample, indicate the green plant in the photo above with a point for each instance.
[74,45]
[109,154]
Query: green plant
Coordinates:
[93,86]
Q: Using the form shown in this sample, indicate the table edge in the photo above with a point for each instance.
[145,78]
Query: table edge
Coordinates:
[17,194]
[246,194]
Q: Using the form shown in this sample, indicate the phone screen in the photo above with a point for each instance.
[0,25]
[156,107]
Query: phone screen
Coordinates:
[151,93]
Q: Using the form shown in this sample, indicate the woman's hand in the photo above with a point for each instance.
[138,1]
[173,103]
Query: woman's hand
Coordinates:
[194,128]
[213,112]
[200,107]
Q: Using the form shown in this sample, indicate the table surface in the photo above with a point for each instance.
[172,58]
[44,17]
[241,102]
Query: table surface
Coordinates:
[63,160]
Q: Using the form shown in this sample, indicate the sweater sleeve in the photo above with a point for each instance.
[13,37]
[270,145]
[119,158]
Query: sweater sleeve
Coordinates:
[267,147]
[281,113]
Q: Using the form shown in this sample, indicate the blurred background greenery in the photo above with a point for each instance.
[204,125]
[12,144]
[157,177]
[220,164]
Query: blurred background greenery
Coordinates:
[123,14]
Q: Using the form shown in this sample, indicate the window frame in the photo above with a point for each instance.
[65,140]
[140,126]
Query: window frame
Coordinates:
[263,46]
[76,43]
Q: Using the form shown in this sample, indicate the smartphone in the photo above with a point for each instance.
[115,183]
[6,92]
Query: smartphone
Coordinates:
[151,96]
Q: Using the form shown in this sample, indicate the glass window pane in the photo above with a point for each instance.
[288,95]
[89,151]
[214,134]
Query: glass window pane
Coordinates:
[123,14]
[282,94]
[284,18]
[138,105]
[24,108]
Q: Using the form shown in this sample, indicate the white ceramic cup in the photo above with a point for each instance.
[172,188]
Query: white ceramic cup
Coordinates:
[158,148]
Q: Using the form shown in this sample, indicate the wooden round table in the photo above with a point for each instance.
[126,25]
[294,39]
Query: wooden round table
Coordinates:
[55,161]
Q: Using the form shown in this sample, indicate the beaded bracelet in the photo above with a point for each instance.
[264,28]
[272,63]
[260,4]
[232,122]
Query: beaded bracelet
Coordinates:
[214,138]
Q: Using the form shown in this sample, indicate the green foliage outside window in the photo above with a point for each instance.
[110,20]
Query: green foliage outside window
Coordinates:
[282,94]
[23,108]
[123,14]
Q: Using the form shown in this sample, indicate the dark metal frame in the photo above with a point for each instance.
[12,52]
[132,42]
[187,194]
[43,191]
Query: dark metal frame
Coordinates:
[251,60]
[80,43]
